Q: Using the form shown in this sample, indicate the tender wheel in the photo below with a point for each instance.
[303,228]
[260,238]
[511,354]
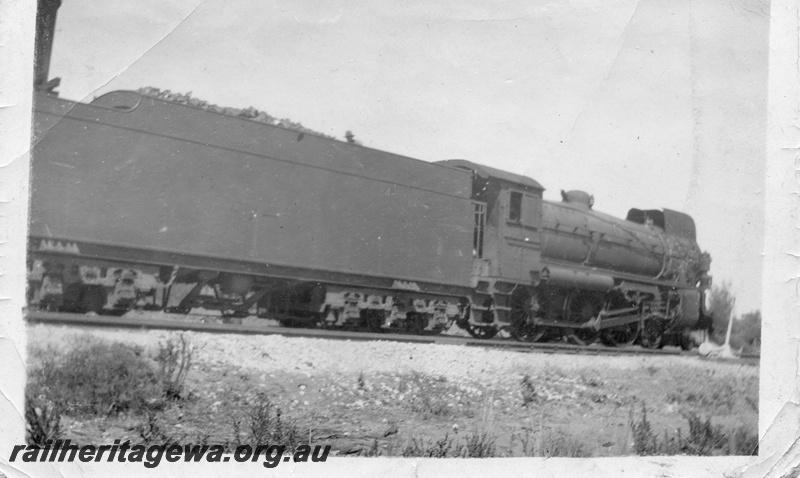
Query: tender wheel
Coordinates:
[416,322]
[579,308]
[73,298]
[238,314]
[94,299]
[373,319]
[178,310]
[621,336]
[83,298]
[291,323]
[482,331]
[652,335]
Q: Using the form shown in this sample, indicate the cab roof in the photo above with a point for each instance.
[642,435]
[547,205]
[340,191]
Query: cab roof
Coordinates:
[488,172]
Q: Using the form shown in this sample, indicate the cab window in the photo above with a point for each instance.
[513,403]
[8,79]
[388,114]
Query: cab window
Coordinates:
[515,206]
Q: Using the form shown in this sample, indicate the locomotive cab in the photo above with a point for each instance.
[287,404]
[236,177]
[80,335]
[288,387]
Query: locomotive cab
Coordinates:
[506,239]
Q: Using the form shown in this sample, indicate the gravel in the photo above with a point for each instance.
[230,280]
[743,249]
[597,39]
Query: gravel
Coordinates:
[275,353]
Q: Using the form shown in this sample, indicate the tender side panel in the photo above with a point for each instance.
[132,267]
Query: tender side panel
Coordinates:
[120,178]
[205,127]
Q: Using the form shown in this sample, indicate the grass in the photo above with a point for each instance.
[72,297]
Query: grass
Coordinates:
[474,445]
[549,443]
[703,438]
[483,444]
[694,394]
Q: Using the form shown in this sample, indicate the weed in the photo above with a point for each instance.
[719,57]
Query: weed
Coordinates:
[428,404]
[591,381]
[529,394]
[43,418]
[556,443]
[552,443]
[151,432]
[267,426]
[174,360]
[645,441]
[428,396]
[429,448]
[479,445]
[474,445]
[703,439]
[743,442]
[374,450]
[362,384]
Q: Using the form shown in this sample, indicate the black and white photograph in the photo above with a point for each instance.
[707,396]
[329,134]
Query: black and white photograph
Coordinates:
[279,233]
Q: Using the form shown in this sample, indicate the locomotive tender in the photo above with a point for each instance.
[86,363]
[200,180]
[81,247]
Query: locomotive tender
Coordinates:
[142,203]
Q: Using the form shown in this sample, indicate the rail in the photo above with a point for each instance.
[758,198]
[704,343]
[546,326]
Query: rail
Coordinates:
[172,323]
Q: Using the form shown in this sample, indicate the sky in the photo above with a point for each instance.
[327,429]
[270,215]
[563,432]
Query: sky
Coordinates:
[646,104]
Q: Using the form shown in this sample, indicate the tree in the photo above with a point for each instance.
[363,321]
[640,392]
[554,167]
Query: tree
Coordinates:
[746,329]
[746,333]
[721,308]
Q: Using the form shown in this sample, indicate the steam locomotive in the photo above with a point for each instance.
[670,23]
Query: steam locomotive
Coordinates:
[142,203]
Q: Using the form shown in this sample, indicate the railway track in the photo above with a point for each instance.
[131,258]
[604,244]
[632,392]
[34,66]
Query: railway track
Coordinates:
[182,323]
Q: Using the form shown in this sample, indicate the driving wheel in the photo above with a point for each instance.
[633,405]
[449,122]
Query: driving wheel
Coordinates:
[579,308]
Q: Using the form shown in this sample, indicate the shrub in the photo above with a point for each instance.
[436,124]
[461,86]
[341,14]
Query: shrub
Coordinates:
[430,448]
[703,439]
[97,378]
[528,391]
[479,445]
[151,432]
[267,425]
[550,444]
[43,417]
[474,445]
[644,440]
[43,409]
[373,451]
[743,442]
[428,395]
[174,360]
